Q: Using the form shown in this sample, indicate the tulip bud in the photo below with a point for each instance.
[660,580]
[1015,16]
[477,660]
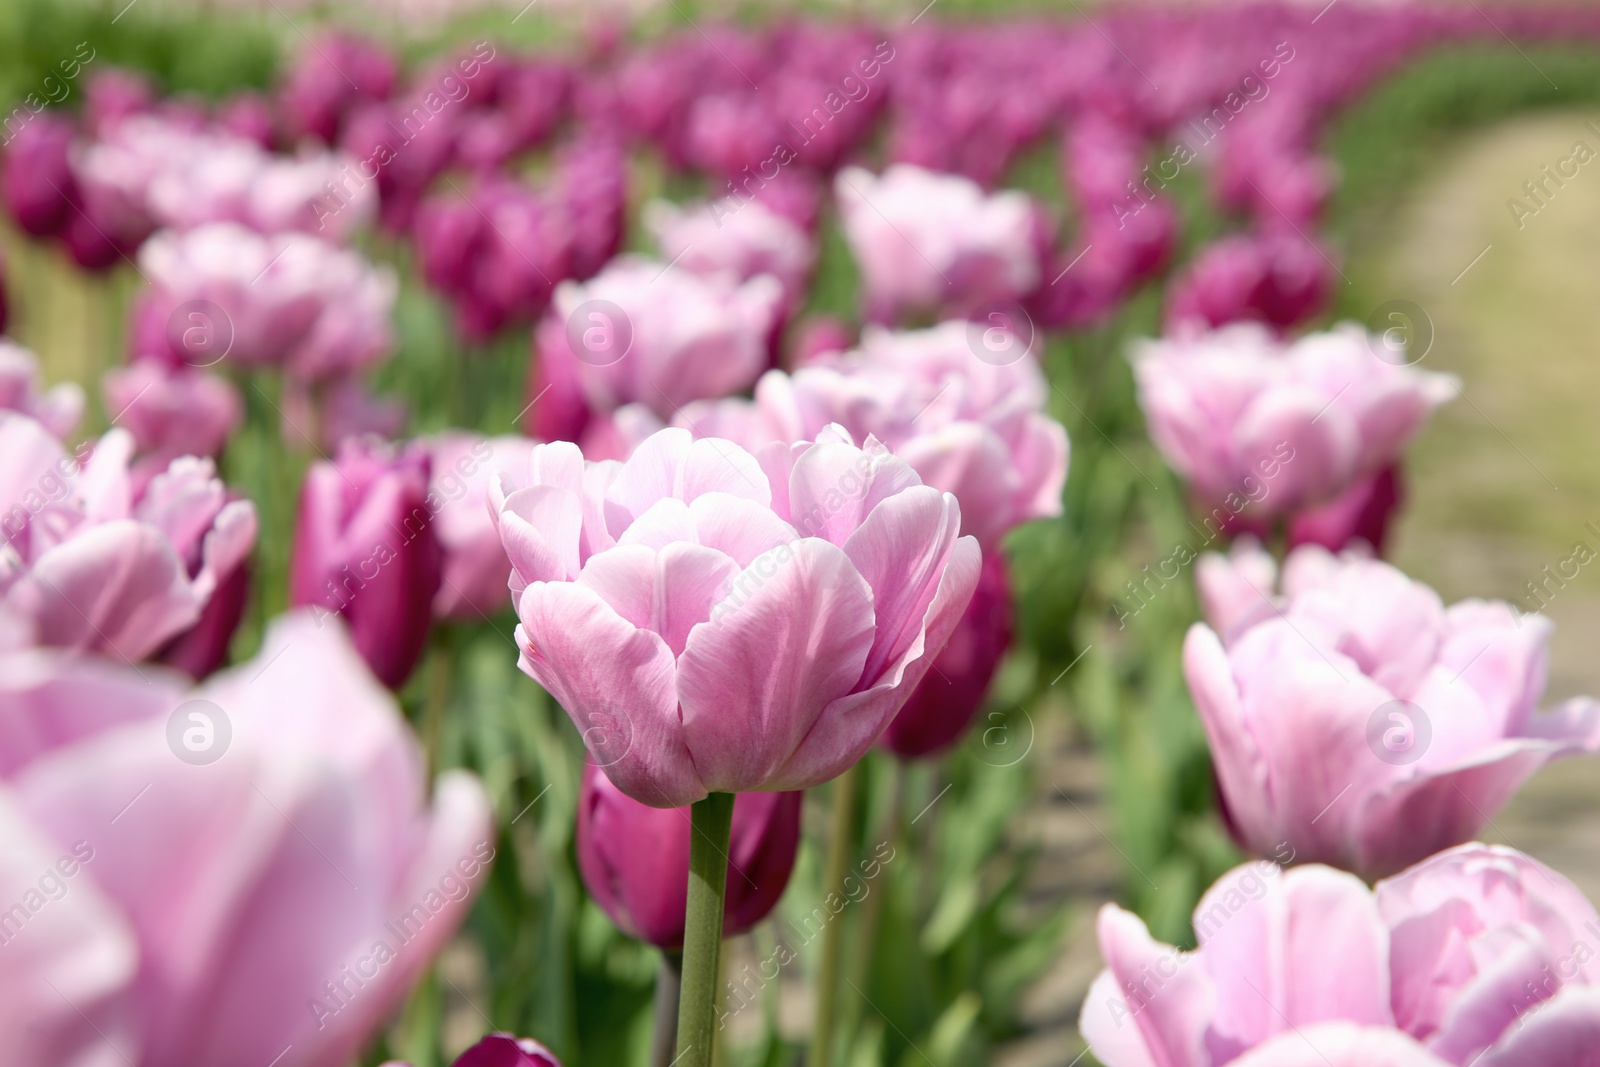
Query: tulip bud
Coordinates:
[502,1050]
[365,547]
[37,176]
[635,858]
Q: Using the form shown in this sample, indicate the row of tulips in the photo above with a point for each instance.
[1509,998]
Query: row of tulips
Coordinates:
[730,595]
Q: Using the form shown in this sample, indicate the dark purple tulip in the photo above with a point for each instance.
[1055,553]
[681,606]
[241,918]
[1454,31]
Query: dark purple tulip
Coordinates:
[37,176]
[1280,279]
[591,193]
[944,702]
[635,858]
[365,547]
[1362,512]
[503,1050]
[202,649]
[337,73]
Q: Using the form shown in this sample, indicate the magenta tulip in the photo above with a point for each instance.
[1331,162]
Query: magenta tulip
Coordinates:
[473,583]
[94,563]
[57,409]
[331,76]
[1280,279]
[1358,719]
[1270,428]
[366,547]
[245,871]
[1479,955]
[635,859]
[36,175]
[927,242]
[715,622]
[502,1050]
[658,335]
[1362,512]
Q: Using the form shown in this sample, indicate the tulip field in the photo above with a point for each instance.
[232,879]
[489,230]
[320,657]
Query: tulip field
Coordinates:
[818,534]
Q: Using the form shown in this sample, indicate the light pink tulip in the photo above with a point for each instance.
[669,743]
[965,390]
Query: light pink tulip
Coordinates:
[1359,720]
[658,335]
[714,620]
[93,561]
[1279,426]
[171,411]
[224,292]
[275,901]
[737,238]
[57,409]
[1479,955]
[475,564]
[926,241]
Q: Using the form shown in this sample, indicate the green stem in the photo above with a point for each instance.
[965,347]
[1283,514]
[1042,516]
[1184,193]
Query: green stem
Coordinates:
[840,849]
[711,820]
[891,829]
[669,979]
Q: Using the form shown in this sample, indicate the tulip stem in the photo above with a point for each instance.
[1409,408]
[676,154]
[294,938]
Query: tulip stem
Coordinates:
[711,821]
[669,979]
[840,848]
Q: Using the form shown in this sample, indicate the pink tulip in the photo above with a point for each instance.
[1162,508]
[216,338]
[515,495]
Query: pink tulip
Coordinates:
[502,1050]
[330,78]
[473,584]
[635,859]
[1357,718]
[96,564]
[928,242]
[274,898]
[171,411]
[657,335]
[222,291]
[1281,279]
[366,547]
[1360,513]
[112,95]
[1277,427]
[743,240]
[714,621]
[57,409]
[1478,955]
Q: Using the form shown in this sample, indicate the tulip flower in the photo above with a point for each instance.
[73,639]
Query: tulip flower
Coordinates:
[741,239]
[635,859]
[171,411]
[1280,279]
[473,583]
[94,564]
[657,335]
[502,1050]
[366,547]
[331,77]
[1357,718]
[1360,513]
[57,409]
[36,175]
[801,597]
[248,870]
[1270,428]
[1479,955]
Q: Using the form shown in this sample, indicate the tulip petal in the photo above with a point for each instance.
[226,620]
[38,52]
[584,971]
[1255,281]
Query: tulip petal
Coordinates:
[617,682]
[1170,998]
[539,528]
[754,680]
[1564,1032]
[1341,1045]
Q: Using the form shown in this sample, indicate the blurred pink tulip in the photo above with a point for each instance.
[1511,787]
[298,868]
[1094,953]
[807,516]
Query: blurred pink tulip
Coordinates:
[1479,955]
[1270,428]
[464,465]
[658,335]
[742,240]
[273,898]
[715,621]
[94,562]
[1357,718]
[1360,513]
[57,409]
[113,94]
[171,411]
[366,547]
[635,859]
[502,1050]
[1281,279]
[330,77]
[929,242]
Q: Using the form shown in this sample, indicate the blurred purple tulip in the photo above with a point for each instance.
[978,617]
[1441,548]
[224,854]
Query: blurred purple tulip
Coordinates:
[171,411]
[1362,512]
[1279,279]
[502,1050]
[331,76]
[1359,683]
[57,409]
[40,190]
[635,859]
[742,240]
[366,548]
[464,465]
